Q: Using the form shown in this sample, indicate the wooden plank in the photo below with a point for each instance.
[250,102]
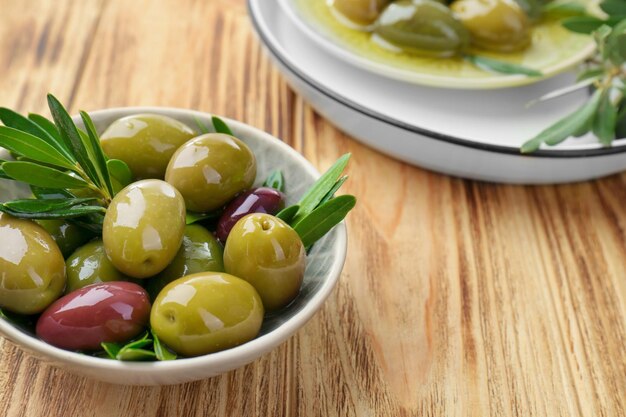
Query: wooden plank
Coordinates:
[458,298]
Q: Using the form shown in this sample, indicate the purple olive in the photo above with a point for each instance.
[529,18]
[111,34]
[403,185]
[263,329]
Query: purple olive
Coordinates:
[258,200]
[105,312]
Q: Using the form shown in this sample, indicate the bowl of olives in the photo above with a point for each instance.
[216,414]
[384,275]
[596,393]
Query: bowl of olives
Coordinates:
[153,246]
[467,44]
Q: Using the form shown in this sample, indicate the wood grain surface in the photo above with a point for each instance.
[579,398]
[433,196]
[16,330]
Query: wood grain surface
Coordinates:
[458,298]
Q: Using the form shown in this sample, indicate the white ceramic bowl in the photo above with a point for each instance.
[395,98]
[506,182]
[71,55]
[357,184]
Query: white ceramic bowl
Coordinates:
[324,265]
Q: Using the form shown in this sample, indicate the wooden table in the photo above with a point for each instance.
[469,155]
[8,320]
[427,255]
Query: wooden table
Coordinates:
[458,298]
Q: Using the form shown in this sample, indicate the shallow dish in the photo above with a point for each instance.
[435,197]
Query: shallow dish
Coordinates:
[324,265]
[468,133]
[553,50]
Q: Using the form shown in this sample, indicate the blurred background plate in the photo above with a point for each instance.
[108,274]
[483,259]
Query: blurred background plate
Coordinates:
[471,134]
[552,51]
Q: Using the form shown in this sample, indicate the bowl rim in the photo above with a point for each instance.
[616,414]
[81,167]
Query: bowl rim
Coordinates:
[308,27]
[267,37]
[238,355]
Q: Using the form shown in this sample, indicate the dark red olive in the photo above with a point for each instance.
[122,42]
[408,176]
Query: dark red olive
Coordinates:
[104,312]
[258,200]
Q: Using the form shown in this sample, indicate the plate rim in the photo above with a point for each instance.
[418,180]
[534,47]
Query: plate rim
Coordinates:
[583,151]
[388,71]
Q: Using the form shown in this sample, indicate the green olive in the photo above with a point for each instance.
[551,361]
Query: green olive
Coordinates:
[90,265]
[206,312]
[143,228]
[268,253]
[211,170]
[200,252]
[424,27]
[146,142]
[497,25]
[32,267]
[360,12]
[68,236]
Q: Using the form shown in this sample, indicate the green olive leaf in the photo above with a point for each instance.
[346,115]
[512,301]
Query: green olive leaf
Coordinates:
[201,126]
[41,176]
[19,122]
[275,180]
[605,120]
[50,193]
[72,138]
[590,73]
[193,217]
[221,126]
[614,7]
[132,354]
[112,349]
[572,8]
[161,352]
[32,147]
[119,170]
[96,153]
[49,127]
[501,67]
[333,190]
[2,173]
[587,24]
[43,206]
[321,220]
[287,214]
[70,213]
[571,125]
[320,189]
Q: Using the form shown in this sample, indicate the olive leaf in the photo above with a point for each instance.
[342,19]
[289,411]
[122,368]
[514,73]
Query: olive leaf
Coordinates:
[275,180]
[70,213]
[161,352]
[614,7]
[49,127]
[331,193]
[96,153]
[119,170]
[19,122]
[320,189]
[287,214]
[321,220]
[50,193]
[572,125]
[43,206]
[588,24]
[32,147]
[201,126]
[41,176]
[605,120]
[501,67]
[2,173]
[572,8]
[221,126]
[112,349]
[72,138]
[193,217]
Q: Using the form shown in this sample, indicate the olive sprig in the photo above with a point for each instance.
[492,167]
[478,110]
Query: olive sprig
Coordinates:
[604,112]
[65,166]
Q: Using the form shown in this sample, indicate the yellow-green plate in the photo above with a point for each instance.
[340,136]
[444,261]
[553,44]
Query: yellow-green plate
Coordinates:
[553,50]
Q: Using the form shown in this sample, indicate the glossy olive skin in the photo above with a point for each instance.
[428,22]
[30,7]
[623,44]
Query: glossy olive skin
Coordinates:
[146,142]
[143,228]
[497,25]
[360,12]
[268,253]
[104,312]
[258,200]
[211,170]
[89,265]
[200,252]
[206,312]
[67,235]
[423,27]
[32,268]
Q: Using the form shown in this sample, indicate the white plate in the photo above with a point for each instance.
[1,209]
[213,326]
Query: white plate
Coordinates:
[472,134]
[553,51]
